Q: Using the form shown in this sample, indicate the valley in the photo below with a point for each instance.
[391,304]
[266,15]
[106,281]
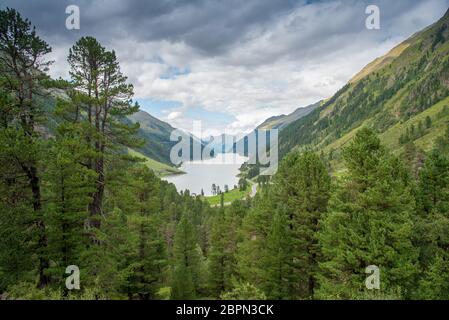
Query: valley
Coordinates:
[88,180]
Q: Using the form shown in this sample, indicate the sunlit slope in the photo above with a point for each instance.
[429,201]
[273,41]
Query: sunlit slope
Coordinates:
[159,168]
[390,94]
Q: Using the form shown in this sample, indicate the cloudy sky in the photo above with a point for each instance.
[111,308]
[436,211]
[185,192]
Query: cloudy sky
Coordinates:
[231,64]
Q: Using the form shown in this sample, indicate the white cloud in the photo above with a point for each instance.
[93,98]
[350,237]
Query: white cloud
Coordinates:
[173,115]
[302,56]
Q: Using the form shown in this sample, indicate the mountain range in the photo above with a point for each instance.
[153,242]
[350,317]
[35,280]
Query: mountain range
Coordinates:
[395,94]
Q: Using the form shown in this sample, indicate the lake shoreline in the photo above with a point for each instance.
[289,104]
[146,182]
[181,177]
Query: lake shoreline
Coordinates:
[200,176]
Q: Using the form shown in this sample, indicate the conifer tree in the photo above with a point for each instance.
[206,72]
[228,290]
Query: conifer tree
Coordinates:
[186,261]
[106,99]
[302,191]
[254,231]
[22,69]
[277,274]
[433,227]
[370,223]
[222,253]
[147,266]
[442,143]
[68,190]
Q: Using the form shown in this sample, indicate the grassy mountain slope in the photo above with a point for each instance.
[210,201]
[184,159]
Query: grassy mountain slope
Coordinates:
[160,169]
[390,94]
[156,134]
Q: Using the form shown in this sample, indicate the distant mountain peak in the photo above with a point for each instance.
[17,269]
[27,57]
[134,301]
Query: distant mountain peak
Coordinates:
[281,121]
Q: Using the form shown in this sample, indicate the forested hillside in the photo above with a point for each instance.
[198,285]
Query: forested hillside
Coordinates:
[156,136]
[388,95]
[77,198]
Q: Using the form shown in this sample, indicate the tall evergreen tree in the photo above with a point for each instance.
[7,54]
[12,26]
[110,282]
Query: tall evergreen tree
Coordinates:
[433,227]
[223,247]
[150,258]
[370,223]
[69,185]
[302,191]
[254,231]
[186,261]
[278,258]
[107,101]
[22,70]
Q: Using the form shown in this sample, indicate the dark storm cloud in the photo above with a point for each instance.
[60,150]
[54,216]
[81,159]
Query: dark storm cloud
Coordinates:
[208,26]
[249,59]
[211,27]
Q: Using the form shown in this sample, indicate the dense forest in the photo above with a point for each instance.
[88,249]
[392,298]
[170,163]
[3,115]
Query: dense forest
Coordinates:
[76,197]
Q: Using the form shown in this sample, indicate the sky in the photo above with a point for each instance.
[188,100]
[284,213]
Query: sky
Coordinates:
[230,64]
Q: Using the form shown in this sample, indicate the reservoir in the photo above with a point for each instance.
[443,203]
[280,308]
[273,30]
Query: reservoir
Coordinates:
[201,174]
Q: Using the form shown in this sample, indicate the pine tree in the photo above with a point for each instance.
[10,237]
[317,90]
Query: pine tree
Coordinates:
[277,274]
[186,262]
[68,190]
[433,227]
[442,143]
[218,280]
[428,122]
[413,158]
[255,228]
[223,247]
[147,266]
[17,258]
[106,98]
[22,67]
[106,266]
[302,191]
[370,223]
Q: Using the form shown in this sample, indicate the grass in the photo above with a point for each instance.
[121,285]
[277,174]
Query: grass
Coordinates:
[159,168]
[380,62]
[390,138]
[230,196]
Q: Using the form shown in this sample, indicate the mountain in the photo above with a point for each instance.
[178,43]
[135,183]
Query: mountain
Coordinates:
[280,122]
[403,95]
[276,122]
[156,134]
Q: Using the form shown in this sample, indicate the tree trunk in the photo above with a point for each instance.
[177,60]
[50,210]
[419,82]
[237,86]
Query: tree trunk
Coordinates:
[96,204]
[42,236]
